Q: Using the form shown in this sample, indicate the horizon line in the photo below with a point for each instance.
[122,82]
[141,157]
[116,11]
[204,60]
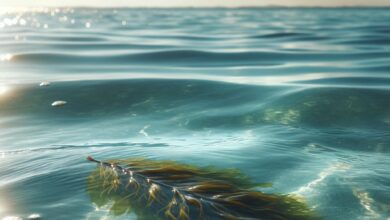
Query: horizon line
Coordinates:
[200,7]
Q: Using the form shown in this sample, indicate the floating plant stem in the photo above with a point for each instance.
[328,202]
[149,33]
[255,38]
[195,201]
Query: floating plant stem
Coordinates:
[168,190]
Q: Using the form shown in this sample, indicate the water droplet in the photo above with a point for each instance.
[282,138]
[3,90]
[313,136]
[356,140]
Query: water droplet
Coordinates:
[44,84]
[58,103]
[87,25]
[124,23]
[34,216]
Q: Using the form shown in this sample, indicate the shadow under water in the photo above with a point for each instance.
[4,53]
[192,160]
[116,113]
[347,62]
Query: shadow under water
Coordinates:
[169,190]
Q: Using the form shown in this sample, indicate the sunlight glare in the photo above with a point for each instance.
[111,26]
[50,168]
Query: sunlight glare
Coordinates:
[3,90]
[5,57]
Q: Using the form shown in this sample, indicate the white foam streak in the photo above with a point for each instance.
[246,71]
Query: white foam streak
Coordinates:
[337,167]
[368,203]
[143,131]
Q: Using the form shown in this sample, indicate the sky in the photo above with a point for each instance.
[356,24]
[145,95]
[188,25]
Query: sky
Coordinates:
[189,3]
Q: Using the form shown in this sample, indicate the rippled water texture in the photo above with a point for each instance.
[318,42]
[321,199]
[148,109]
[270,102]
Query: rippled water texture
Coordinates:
[294,97]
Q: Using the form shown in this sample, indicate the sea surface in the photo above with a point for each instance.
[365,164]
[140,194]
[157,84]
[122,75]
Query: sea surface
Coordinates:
[298,97]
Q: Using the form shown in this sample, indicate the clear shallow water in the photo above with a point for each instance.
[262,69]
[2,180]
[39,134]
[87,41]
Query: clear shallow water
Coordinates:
[296,97]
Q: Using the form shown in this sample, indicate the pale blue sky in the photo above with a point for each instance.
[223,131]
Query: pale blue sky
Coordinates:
[194,3]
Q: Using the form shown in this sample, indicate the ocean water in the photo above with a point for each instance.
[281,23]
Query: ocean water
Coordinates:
[296,97]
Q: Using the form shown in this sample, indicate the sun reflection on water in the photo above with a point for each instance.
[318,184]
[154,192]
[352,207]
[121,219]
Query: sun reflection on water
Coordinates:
[5,57]
[3,209]
[3,89]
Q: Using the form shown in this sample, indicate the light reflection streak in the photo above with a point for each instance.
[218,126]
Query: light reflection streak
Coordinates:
[337,167]
[367,202]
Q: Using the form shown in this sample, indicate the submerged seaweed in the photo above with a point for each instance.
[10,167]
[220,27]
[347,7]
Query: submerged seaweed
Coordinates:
[168,190]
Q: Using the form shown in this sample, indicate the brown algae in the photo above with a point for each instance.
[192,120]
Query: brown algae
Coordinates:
[169,190]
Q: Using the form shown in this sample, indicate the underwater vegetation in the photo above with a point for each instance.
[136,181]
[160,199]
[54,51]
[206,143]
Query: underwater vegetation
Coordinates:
[169,190]
[318,108]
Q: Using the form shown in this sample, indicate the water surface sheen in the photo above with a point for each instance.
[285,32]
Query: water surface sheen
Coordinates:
[295,97]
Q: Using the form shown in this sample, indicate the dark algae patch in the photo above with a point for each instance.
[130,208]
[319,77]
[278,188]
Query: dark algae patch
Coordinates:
[169,190]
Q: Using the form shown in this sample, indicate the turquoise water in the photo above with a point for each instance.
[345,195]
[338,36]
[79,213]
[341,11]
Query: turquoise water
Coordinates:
[295,97]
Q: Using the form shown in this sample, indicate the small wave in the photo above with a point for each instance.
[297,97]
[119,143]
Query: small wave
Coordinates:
[64,39]
[385,41]
[360,82]
[279,35]
[77,47]
[183,37]
[207,104]
[81,146]
[175,57]
[191,58]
